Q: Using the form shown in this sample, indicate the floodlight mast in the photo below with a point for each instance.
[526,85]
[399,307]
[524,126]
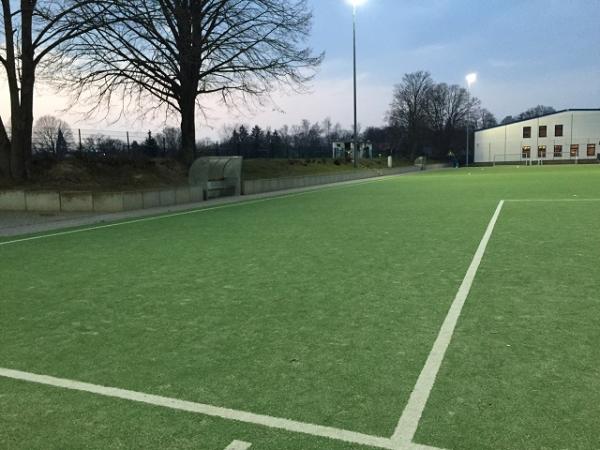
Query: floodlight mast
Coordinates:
[471,79]
[355,3]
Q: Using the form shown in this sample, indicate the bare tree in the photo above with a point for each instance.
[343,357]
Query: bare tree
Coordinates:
[530,113]
[508,119]
[167,53]
[408,109]
[449,107]
[31,33]
[536,111]
[46,133]
[486,119]
[172,137]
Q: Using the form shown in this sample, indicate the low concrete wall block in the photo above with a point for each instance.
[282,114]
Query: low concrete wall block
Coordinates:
[42,201]
[76,202]
[133,200]
[151,199]
[108,201]
[182,195]
[12,201]
[167,197]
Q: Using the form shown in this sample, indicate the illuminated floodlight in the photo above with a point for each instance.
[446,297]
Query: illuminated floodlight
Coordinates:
[471,78]
[357,3]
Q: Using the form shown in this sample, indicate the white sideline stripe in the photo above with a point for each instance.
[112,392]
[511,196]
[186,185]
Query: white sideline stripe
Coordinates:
[553,200]
[310,190]
[409,421]
[239,445]
[208,410]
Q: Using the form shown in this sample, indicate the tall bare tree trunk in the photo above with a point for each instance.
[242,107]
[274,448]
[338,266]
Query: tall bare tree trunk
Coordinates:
[27,119]
[27,82]
[188,129]
[4,151]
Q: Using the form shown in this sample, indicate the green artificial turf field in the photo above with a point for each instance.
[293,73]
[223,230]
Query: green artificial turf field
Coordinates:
[321,308]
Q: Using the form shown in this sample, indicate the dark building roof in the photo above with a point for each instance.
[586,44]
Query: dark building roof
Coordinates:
[538,117]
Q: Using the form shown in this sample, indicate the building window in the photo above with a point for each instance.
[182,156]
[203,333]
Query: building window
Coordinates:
[543,131]
[558,130]
[574,150]
[526,132]
[526,152]
[541,151]
[591,150]
[558,151]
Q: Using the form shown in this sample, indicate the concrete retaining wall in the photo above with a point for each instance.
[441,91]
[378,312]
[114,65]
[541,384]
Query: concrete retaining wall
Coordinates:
[279,184]
[42,201]
[182,196]
[12,200]
[108,202]
[132,200]
[151,199]
[96,201]
[167,198]
[76,201]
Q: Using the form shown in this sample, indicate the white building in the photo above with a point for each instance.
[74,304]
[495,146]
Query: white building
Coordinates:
[564,135]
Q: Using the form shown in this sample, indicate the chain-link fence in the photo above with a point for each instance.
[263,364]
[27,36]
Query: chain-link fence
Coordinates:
[60,142]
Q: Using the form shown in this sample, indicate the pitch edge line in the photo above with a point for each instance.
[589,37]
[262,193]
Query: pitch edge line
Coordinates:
[214,411]
[409,421]
[552,200]
[309,190]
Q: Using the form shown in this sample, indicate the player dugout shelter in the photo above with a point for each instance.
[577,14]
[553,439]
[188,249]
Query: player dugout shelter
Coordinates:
[219,176]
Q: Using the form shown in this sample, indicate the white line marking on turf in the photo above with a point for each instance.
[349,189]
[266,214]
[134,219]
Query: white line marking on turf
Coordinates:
[209,410]
[408,423]
[413,446]
[239,445]
[242,202]
[553,200]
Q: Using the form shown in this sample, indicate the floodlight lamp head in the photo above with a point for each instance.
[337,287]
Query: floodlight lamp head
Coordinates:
[356,3]
[471,78]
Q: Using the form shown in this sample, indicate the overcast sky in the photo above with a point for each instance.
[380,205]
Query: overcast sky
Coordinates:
[526,52]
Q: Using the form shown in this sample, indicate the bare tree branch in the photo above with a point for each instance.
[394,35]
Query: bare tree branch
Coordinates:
[176,51]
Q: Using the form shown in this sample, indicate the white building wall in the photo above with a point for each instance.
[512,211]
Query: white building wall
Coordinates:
[505,143]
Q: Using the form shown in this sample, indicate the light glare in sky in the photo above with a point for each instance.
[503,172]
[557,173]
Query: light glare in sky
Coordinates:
[471,78]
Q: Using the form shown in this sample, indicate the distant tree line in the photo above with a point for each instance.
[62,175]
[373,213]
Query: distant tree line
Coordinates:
[536,111]
[305,140]
[53,137]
